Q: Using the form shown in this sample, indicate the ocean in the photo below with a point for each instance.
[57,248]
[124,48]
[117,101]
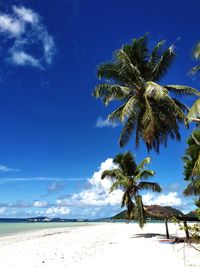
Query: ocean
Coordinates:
[18,227]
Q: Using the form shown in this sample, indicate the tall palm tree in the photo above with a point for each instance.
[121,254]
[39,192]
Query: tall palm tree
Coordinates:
[130,178]
[147,107]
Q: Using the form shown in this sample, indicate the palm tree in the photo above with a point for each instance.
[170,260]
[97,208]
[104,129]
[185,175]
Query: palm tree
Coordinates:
[192,164]
[129,177]
[147,107]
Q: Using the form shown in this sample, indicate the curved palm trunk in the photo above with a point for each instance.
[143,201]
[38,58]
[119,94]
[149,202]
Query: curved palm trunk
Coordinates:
[166,227]
[186,228]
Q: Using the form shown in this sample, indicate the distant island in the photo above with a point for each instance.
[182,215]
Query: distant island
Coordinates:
[40,219]
[152,212]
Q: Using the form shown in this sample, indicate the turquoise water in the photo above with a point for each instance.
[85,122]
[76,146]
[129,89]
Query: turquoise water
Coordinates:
[14,228]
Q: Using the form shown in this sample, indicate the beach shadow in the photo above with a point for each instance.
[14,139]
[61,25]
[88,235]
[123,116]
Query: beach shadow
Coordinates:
[150,235]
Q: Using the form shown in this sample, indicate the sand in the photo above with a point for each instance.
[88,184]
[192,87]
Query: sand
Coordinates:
[104,244]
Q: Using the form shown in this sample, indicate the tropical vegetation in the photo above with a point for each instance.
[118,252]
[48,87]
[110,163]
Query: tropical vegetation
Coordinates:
[192,166]
[131,178]
[194,112]
[147,108]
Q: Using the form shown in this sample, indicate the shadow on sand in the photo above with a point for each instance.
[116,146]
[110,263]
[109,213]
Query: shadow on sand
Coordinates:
[150,235]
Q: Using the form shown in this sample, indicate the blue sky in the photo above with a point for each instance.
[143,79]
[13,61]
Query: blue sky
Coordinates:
[54,135]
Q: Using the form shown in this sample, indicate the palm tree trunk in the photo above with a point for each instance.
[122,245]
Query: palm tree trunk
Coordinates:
[186,228]
[167,230]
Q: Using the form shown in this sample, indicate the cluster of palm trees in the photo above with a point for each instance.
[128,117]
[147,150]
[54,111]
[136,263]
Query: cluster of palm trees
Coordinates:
[149,111]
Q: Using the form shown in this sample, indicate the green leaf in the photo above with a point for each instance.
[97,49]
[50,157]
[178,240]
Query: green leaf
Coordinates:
[155,187]
[194,70]
[195,110]
[129,109]
[139,211]
[165,61]
[155,90]
[113,174]
[142,164]
[119,183]
[182,90]
[127,130]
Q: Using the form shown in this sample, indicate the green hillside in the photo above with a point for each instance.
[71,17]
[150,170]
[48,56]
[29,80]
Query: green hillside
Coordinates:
[153,212]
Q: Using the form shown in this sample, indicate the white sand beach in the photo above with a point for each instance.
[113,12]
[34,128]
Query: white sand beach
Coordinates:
[104,244]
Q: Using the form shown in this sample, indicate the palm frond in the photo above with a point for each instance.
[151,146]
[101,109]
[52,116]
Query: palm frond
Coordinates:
[156,54]
[130,109]
[193,188]
[164,63]
[126,163]
[127,130]
[125,198]
[110,71]
[144,174]
[127,65]
[118,184]
[139,211]
[155,187]
[182,106]
[196,51]
[194,70]
[148,124]
[154,90]
[196,168]
[194,110]
[116,115]
[175,109]
[113,174]
[182,90]
[110,92]
[142,49]
[142,164]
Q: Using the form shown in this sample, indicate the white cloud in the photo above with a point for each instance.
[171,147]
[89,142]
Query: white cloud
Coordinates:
[98,192]
[2,211]
[26,14]
[170,199]
[100,123]
[24,28]
[11,26]
[48,45]
[40,204]
[4,168]
[57,211]
[21,58]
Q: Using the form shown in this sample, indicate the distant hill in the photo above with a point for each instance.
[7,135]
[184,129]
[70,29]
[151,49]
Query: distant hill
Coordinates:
[153,212]
[120,216]
[46,219]
[192,214]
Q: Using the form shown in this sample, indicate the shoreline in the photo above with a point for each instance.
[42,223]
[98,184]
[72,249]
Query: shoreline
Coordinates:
[103,244]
